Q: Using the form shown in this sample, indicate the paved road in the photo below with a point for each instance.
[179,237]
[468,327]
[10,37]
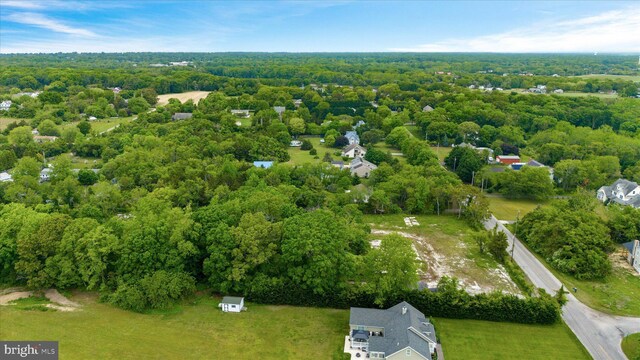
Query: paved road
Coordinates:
[600,333]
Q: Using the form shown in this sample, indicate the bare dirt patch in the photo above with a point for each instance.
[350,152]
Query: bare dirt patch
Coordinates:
[7,298]
[474,278]
[60,302]
[196,96]
[54,296]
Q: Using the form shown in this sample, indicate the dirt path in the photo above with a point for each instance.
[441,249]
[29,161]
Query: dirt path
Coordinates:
[60,302]
[7,298]
[54,296]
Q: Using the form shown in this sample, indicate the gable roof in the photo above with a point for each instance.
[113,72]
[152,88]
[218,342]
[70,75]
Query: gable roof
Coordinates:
[625,186]
[352,146]
[410,329]
[534,163]
[232,300]
[510,157]
[427,108]
[351,135]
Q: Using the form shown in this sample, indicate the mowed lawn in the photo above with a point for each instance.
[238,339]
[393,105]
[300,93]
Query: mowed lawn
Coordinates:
[101,125]
[299,157]
[507,209]
[197,330]
[441,151]
[631,346]
[474,339]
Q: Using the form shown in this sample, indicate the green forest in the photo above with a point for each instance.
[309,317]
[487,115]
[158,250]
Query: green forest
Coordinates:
[150,209]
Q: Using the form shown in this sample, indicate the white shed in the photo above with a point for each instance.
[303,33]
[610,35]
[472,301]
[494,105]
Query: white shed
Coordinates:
[232,304]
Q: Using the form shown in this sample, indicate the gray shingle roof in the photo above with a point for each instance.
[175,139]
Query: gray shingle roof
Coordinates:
[232,300]
[400,330]
[625,185]
[181,116]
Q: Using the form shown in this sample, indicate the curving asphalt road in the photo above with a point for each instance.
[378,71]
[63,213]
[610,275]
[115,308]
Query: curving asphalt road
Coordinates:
[600,333]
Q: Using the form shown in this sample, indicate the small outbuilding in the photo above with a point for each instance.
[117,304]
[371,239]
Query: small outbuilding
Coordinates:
[232,304]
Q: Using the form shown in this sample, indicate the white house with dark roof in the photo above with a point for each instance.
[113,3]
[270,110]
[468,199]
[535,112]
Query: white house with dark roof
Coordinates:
[400,332]
[232,304]
[354,151]
[623,192]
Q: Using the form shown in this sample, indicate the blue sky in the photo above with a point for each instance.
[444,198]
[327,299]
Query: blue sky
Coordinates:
[326,26]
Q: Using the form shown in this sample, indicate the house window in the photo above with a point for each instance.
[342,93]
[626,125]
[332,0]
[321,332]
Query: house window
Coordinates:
[408,352]
[359,327]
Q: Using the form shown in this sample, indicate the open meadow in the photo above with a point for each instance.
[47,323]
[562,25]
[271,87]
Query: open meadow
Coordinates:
[197,329]
[196,96]
[5,121]
[507,209]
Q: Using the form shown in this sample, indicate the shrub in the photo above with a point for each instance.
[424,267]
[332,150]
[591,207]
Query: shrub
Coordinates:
[313,152]
[306,145]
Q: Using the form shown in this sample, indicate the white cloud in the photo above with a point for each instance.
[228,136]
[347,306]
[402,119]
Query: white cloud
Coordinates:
[612,31]
[21,4]
[45,22]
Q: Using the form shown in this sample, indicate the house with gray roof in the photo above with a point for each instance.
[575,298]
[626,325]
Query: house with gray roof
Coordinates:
[181,116]
[5,177]
[232,304]
[427,108]
[623,192]
[361,167]
[353,137]
[633,257]
[400,332]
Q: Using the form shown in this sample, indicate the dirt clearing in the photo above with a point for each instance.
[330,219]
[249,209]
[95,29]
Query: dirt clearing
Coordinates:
[196,96]
[451,255]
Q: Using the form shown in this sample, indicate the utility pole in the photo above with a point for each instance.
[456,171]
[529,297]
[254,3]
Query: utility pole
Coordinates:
[513,238]
[473,177]
[455,159]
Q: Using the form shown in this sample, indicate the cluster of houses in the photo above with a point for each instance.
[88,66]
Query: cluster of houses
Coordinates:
[45,175]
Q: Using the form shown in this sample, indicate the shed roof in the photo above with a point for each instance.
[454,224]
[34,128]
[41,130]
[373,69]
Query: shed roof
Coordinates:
[232,300]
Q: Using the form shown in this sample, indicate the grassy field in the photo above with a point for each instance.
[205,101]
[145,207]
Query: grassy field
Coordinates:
[507,209]
[195,330]
[635,78]
[473,339]
[299,157]
[191,95]
[631,346]
[101,125]
[5,121]
[446,247]
[617,294]
[441,151]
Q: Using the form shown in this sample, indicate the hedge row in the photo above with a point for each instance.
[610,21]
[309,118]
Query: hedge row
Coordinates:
[447,302]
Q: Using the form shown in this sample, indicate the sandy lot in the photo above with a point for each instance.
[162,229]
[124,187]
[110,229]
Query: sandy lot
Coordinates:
[193,95]
[473,278]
